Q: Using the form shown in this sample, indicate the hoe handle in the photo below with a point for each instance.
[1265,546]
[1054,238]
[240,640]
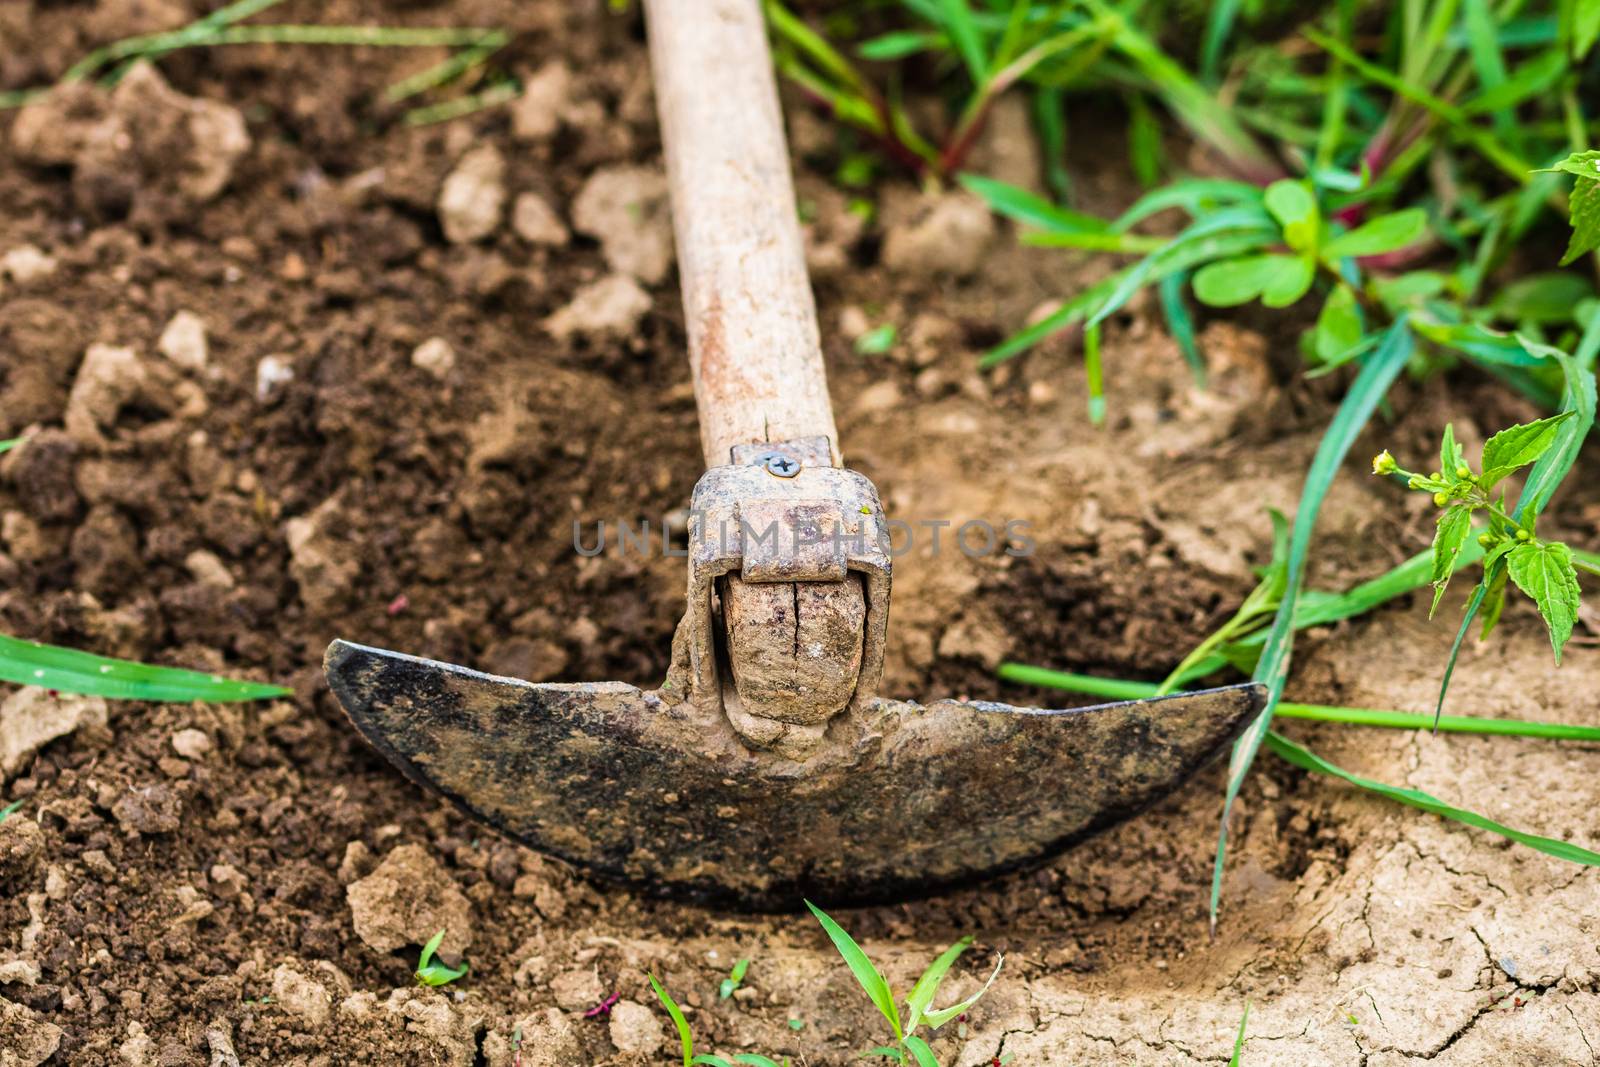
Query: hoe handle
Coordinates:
[752,324]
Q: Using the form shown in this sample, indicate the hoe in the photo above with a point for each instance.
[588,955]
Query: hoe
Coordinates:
[767,768]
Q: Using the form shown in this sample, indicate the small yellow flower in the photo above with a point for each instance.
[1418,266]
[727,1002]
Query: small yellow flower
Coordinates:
[1383,463]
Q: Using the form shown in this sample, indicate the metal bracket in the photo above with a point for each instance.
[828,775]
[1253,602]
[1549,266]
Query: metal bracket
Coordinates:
[815,524]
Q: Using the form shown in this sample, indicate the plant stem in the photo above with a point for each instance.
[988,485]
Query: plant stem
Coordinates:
[1118,689]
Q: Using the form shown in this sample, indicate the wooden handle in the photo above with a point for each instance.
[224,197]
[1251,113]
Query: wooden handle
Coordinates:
[752,323]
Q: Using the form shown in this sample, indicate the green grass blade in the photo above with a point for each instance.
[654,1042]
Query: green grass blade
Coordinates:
[964,34]
[1068,313]
[1019,205]
[1197,196]
[789,26]
[877,989]
[6,446]
[1365,392]
[10,810]
[1219,23]
[921,1052]
[448,70]
[1049,119]
[923,992]
[71,671]
[1336,95]
[1180,324]
[709,1060]
[685,1036]
[1578,396]
[1238,1042]
[886,1051]
[1305,759]
[1121,689]
[1096,378]
[755,1060]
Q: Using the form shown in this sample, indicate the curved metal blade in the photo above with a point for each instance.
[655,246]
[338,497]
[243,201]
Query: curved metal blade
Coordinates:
[616,779]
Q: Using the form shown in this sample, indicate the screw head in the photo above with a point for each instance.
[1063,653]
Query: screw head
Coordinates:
[779,464]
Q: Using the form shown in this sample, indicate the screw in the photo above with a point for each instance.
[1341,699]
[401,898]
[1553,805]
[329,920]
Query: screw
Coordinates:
[779,464]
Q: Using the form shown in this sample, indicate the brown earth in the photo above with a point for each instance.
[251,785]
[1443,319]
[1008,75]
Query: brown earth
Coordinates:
[176,883]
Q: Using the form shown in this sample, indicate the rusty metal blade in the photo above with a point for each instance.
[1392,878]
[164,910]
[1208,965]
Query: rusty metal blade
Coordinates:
[912,798]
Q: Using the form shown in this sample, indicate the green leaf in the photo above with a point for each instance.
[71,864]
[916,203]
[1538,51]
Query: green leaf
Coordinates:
[70,671]
[1291,279]
[1338,326]
[6,446]
[735,977]
[877,989]
[876,341]
[1450,454]
[1454,526]
[920,1050]
[1583,209]
[685,1036]
[1307,760]
[430,973]
[1231,282]
[1544,571]
[1359,402]
[755,1060]
[886,1051]
[10,810]
[1238,1041]
[1549,297]
[1386,233]
[937,1017]
[708,1060]
[1291,203]
[922,993]
[1517,446]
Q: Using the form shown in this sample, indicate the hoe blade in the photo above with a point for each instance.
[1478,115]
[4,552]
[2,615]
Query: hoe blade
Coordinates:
[620,781]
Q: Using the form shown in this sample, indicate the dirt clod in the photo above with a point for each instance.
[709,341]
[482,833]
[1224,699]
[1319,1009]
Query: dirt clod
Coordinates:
[610,307]
[25,1039]
[548,1039]
[142,147]
[21,846]
[184,341]
[535,221]
[635,1029]
[538,113]
[406,900]
[109,377]
[151,809]
[473,196]
[943,234]
[303,998]
[31,718]
[435,357]
[625,209]
[577,990]
[26,264]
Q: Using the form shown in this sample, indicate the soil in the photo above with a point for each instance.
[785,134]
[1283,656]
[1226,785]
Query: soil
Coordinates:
[177,882]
